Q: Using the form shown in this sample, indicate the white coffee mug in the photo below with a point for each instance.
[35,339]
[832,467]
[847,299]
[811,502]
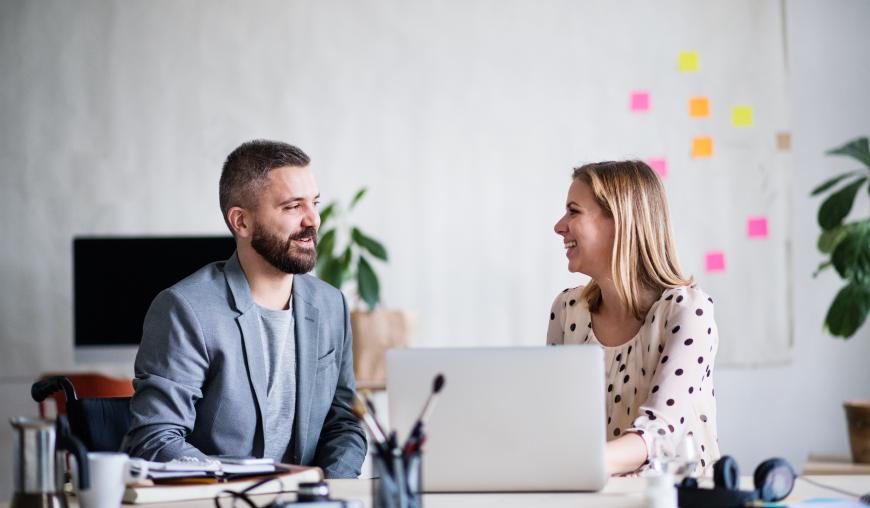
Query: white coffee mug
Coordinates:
[109,473]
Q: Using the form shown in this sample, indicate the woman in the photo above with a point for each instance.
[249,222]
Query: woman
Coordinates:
[656,327]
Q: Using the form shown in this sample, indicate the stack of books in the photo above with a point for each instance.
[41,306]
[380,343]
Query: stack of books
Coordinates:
[182,480]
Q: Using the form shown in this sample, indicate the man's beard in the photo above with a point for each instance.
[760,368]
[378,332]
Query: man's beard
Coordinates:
[282,254]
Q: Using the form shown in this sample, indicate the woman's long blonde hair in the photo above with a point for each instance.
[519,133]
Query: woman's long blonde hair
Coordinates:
[644,255]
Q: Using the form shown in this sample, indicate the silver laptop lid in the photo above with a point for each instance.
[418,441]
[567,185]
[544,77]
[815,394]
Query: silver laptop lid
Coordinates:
[508,419]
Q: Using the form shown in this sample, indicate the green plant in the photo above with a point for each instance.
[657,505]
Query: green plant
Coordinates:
[847,245]
[338,266]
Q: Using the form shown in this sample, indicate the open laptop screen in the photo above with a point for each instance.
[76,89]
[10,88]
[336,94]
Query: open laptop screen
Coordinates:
[508,419]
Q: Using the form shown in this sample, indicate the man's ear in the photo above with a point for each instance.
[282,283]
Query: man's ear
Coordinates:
[240,222]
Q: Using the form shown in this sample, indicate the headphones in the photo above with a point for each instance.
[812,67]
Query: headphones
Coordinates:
[773,478]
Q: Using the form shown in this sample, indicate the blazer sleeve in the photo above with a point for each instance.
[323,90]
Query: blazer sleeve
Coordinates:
[342,445]
[170,370]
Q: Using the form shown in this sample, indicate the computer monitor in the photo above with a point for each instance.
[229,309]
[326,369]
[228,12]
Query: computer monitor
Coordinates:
[116,278]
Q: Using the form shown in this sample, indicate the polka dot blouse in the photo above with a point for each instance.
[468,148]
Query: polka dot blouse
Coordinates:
[659,384]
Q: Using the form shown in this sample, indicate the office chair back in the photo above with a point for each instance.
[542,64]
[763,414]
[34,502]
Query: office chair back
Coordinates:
[100,422]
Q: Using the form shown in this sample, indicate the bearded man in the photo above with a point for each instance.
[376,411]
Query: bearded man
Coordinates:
[252,356]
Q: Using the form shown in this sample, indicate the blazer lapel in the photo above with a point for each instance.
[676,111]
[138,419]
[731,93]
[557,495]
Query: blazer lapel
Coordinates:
[305,316]
[249,325]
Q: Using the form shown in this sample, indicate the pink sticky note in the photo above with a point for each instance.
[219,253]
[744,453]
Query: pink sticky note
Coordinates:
[660,166]
[756,227]
[640,101]
[715,261]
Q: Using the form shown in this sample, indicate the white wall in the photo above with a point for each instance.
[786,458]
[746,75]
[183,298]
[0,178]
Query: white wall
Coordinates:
[796,409]
[788,410]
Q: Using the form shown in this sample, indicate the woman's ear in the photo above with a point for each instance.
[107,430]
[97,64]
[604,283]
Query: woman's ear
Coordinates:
[240,222]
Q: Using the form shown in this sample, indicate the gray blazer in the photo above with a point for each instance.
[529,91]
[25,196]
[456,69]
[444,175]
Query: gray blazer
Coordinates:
[201,378]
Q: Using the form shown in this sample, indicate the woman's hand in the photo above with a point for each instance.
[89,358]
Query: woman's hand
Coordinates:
[625,454]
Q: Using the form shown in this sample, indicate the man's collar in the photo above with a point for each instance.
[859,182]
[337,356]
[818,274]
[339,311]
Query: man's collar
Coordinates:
[241,290]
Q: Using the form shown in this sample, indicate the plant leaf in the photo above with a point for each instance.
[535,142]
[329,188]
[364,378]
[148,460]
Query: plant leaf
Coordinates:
[367,283]
[824,265]
[829,239]
[326,244]
[851,257]
[857,149]
[370,244]
[330,272]
[832,182]
[848,310]
[327,212]
[356,197]
[837,206]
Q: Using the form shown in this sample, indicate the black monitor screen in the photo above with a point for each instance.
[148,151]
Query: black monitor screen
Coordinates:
[115,280]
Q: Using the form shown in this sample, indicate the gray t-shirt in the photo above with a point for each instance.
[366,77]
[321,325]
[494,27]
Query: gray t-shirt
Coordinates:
[279,347]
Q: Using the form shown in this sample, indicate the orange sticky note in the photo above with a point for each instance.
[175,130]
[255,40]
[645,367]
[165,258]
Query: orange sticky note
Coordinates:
[699,107]
[702,147]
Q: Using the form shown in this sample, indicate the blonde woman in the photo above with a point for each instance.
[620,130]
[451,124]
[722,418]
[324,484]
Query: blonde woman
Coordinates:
[655,326]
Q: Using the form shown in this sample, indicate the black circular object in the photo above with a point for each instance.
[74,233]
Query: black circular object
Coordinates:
[774,479]
[726,474]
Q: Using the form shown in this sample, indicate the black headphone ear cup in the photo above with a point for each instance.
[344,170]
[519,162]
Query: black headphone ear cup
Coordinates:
[774,479]
[726,474]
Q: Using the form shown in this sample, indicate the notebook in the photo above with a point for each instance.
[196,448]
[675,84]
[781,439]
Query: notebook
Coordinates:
[507,419]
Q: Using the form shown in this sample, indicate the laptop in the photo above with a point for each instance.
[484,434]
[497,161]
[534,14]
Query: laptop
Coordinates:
[507,419]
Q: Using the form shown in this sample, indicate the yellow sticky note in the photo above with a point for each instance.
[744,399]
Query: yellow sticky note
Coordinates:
[699,107]
[741,116]
[702,147]
[688,61]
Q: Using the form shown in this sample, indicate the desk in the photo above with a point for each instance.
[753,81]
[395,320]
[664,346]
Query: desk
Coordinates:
[619,492]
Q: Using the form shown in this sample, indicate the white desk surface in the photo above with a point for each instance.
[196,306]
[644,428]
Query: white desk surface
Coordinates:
[619,492]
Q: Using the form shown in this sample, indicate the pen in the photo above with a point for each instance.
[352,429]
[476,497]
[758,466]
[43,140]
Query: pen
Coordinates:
[371,407]
[359,410]
[416,438]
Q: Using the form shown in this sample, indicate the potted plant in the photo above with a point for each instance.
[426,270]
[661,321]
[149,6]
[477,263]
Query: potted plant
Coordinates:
[344,258]
[847,248]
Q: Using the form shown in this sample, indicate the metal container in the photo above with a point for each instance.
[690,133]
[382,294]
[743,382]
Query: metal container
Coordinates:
[38,465]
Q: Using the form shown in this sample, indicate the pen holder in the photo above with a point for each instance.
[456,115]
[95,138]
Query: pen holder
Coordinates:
[398,482]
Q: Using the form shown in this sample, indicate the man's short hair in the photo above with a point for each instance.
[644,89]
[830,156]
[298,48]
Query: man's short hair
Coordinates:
[246,171]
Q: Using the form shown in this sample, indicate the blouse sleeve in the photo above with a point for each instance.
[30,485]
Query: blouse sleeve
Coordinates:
[556,329]
[689,341]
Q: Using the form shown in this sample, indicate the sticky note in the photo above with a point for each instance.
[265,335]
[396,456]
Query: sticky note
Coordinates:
[741,116]
[756,227]
[660,166]
[688,61]
[640,101]
[714,261]
[702,147]
[783,141]
[699,107]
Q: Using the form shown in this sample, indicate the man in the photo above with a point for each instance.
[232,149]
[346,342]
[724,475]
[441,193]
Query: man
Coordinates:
[251,356]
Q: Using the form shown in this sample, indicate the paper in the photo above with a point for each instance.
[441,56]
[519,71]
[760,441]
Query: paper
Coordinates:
[640,101]
[688,61]
[714,261]
[783,141]
[702,147]
[660,166]
[741,116]
[699,107]
[756,227]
